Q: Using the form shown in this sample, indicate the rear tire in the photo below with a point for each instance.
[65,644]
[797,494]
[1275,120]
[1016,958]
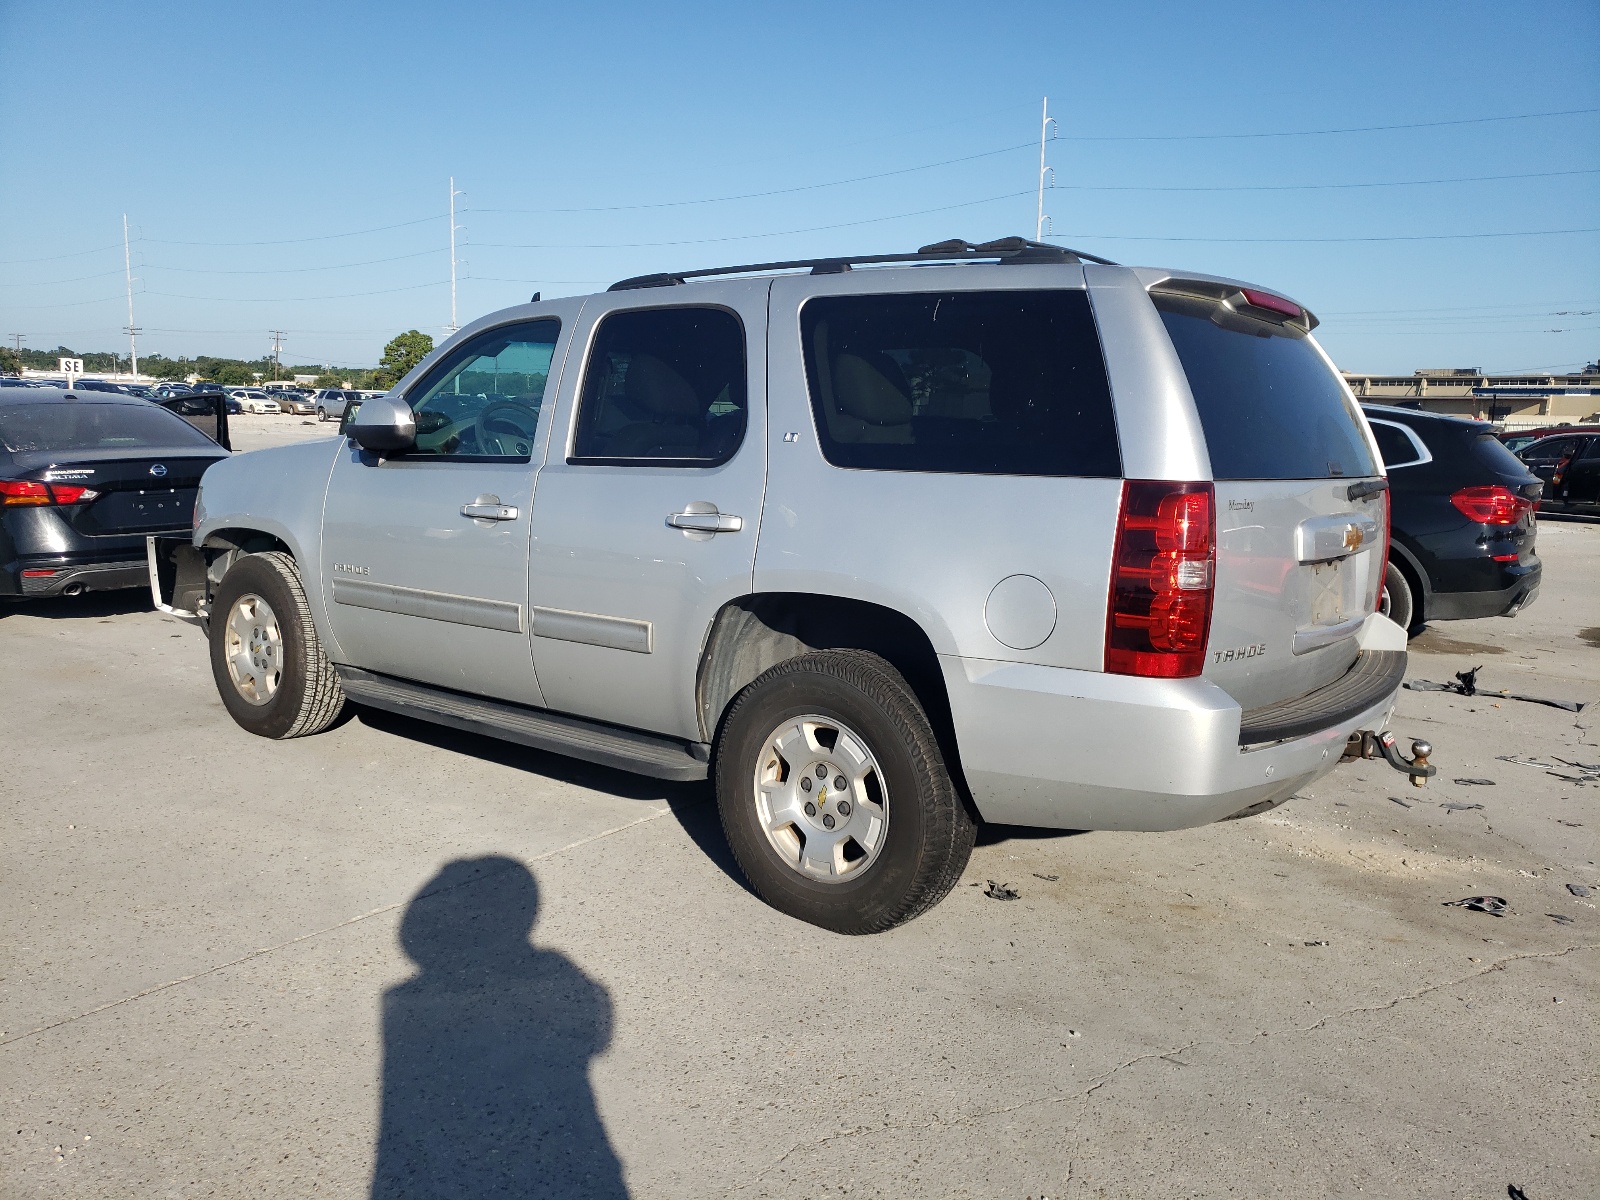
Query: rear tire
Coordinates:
[266,658]
[1399,602]
[322,413]
[819,718]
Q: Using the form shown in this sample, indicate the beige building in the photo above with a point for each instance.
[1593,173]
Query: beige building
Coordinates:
[1515,401]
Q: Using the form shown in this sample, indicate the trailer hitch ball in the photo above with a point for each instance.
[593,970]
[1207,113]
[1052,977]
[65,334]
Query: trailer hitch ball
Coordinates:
[1368,744]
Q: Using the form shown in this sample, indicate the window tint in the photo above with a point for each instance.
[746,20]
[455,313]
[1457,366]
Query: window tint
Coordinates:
[993,383]
[1396,448]
[71,425]
[664,385]
[1270,407]
[1591,452]
[483,400]
[1549,451]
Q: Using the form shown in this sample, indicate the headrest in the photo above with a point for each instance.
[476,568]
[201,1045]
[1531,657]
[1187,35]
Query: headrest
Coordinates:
[655,387]
[866,393]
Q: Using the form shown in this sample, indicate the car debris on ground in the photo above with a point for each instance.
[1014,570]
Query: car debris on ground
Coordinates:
[1466,684]
[1495,906]
[1001,891]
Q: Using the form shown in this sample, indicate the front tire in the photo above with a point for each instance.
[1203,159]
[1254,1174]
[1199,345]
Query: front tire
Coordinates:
[266,658]
[858,856]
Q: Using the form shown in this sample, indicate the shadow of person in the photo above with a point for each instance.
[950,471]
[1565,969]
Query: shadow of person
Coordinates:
[486,1051]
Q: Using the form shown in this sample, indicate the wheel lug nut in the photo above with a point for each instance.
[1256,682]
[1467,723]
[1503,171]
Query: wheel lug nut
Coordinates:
[822,771]
[844,808]
[839,783]
[805,783]
[811,809]
[827,822]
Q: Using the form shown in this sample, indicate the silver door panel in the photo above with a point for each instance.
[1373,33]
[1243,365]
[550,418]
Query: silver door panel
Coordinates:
[630,597]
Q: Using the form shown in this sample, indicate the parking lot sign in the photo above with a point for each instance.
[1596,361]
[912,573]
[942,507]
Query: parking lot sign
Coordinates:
[70,367]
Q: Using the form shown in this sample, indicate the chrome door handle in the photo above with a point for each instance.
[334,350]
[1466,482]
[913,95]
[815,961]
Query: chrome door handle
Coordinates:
[489,508]
[695,521]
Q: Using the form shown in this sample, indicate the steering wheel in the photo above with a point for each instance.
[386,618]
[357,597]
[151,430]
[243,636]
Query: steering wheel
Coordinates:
[499,428]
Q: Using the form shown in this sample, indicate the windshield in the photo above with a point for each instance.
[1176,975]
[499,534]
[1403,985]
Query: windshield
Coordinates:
[67,425]
[1270,405]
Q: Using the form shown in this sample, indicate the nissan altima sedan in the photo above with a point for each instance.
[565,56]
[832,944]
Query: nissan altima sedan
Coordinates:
[84,478]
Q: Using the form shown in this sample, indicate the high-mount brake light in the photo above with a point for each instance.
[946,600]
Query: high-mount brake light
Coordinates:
[1162,579]
[24,493]
[1491,505]
[1272,303]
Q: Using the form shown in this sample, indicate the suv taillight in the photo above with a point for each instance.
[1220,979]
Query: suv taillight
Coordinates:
[1491,505]
[1383,552]
[1161,579]
[25,493]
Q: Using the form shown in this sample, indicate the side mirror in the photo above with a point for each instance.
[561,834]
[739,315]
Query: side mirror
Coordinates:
[385,424]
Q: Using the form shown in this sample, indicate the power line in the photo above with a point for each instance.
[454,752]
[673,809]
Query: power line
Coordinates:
[290,299]
[1312,187]
[371,262]
[323,237]
[1212,137]
[1418,237]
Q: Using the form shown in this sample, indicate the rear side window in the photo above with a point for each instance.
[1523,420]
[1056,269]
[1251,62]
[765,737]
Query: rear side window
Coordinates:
[69,425]
[1395,445]
[986,383]
[664,386]
[1270,407]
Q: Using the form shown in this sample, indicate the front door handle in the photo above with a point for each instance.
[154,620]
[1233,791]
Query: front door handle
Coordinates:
[701,516]
[489,508]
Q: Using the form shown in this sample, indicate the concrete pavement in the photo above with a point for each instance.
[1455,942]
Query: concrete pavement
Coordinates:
[206,992]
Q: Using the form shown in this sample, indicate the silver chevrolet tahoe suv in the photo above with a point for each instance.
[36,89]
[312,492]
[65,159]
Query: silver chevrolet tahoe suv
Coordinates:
[887,546]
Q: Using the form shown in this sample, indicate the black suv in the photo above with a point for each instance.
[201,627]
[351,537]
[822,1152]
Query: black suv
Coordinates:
[1461,519]
[1569,464]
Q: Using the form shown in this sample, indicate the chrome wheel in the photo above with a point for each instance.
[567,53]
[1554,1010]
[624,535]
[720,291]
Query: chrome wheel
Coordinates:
[253,648]
[820,798]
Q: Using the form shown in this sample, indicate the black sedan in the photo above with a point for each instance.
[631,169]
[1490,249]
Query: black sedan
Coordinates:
[1461,540]
[1569,464]
[83,480]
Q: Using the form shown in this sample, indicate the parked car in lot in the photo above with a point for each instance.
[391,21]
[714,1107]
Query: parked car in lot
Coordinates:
[299,403]
[83,480]
[1569,465]
[1517,440]
[330,402]
[254,400]
[11,381]
[164,390]
[1461,542]
[996,532]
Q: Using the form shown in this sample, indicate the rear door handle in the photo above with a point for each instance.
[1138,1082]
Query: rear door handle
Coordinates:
[489,508]
[703,517]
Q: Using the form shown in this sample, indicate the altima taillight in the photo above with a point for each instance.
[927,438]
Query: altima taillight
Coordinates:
[1161,579]
[24,493]
[1491,505]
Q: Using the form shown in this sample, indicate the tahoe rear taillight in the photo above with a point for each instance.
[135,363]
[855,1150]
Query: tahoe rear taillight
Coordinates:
[1491,505]
[24,493]
[1383,553]
[1161,579]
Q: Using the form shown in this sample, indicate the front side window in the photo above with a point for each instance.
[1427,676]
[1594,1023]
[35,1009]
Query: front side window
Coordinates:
[989,383]
[1550,451]
[483,400]
[664,386]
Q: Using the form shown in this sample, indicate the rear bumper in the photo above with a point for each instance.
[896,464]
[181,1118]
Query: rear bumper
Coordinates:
[26,580]
[1067,749]
[1522,590]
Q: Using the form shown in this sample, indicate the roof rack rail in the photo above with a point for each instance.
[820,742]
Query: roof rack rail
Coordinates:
[1004,250]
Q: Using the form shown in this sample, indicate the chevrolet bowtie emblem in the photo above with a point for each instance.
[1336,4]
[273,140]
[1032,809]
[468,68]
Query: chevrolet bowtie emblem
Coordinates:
[1352,537]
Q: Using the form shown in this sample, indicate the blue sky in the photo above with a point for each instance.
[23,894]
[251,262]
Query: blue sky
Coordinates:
[285,166]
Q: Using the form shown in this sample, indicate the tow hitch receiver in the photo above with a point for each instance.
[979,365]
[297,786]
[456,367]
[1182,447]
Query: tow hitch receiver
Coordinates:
[1367,744]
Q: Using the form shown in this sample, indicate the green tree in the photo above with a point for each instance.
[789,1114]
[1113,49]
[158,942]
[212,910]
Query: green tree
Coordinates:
[10,361]
[400,355]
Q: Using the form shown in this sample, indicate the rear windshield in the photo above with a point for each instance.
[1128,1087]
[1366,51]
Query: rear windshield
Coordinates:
[987,383]
[73,425]
[1269,405]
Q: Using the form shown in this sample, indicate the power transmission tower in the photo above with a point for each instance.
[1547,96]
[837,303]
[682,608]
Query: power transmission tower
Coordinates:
[19,338]
[132,329]
[1045,121]
[277,343]
[453,228]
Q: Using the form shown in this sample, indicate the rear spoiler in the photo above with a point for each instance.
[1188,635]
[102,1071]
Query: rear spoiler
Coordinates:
[206,411]
[178,583]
